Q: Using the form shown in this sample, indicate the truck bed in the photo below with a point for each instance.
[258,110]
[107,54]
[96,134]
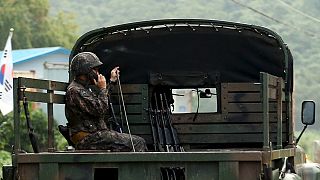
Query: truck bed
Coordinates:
[210,164]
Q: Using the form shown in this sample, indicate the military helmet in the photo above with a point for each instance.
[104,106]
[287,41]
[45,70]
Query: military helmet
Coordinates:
[83,63]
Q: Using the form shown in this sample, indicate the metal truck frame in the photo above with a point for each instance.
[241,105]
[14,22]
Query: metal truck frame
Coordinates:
[248,137]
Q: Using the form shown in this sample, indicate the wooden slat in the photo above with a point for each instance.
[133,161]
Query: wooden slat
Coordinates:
[249,107]
[33,83]
[216,138]
[279,113]
[251,96]
[131,109]
[240,87]
[273,94]
[128,99]
[44,97]
[59,86]
[250,117]
[43,84]
[222,118]
[130,88]
[223,138]
[244,97]
[224,128]
[272,80]
[210,128]
[134,119]
[139,129]
[59,98]
[217,118]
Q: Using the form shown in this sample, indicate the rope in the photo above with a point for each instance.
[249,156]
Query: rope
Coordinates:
[120,109]
[125,113]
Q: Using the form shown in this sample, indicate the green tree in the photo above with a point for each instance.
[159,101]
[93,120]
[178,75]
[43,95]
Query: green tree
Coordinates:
[39,123]
[5,159]
[33,26]
[307,140]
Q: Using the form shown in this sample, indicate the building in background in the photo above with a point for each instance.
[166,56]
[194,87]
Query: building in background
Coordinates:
[43,63]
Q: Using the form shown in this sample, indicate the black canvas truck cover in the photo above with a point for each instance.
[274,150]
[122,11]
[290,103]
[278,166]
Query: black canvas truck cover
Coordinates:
[188,52]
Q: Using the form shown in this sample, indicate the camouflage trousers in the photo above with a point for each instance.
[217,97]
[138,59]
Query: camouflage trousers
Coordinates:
[111,140]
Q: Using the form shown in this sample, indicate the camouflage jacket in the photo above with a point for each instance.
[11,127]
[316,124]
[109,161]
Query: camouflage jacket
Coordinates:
[85,109]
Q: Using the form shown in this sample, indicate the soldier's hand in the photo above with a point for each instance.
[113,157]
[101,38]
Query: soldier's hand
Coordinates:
[101,83]
[115,73]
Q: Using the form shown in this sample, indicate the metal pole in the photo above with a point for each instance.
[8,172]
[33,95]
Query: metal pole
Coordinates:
[50,123]
[16,115]
[125,114]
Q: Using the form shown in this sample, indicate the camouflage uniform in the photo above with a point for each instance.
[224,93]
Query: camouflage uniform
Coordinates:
[86,112]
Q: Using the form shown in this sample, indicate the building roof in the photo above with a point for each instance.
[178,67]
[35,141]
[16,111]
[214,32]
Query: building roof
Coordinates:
[22,55]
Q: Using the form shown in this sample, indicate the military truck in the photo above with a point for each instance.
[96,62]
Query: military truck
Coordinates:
[212,99]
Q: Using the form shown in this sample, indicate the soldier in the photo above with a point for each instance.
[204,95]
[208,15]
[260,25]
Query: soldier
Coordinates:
[87,109]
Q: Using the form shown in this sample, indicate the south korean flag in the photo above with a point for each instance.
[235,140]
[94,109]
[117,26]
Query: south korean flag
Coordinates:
[6,78]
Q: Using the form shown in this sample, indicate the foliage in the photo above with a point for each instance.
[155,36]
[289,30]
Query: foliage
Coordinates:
[5,159]
[307,141]
[6,131]
[39,123]
[33,27]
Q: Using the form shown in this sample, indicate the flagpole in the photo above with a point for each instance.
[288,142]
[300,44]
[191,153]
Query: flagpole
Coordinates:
[11,32]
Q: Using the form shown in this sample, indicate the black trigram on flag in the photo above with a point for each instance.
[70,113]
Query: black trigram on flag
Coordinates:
[7,86]
[0,95]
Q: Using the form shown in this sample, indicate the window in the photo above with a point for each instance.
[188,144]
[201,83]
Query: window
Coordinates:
[188,100]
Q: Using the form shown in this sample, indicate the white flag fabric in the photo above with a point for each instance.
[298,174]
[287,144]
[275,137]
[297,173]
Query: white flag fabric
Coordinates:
[6,78]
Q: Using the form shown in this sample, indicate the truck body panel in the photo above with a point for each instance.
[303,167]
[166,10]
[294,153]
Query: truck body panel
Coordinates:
[247,137]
